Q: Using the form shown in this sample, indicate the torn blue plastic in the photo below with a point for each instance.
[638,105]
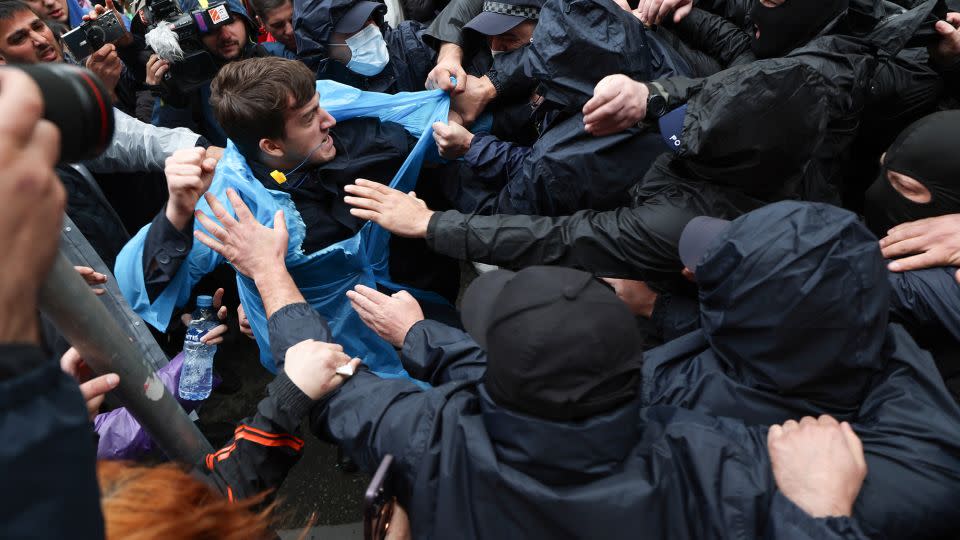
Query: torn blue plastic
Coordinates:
[324,276]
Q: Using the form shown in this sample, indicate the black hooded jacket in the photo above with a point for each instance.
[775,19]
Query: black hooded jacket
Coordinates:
[793,304]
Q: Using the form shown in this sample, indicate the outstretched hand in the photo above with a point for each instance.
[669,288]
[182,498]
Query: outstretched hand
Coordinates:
[402,214]
[651,12]
[926,243]
[391,317]
[316,367]
[253,249]
[947,49]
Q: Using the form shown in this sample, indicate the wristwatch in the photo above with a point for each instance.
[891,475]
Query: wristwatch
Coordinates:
[656,102]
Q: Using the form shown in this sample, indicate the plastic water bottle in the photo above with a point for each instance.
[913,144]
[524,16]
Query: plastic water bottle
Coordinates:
[196,375]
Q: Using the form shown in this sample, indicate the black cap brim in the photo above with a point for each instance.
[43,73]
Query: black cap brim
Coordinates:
[358,15]
[479,301]
[493,24]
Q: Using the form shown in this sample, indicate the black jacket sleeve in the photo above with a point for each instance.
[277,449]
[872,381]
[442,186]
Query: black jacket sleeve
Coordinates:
[292,324]
[164,250]
[436,353]
[927,298]
[735,11]
[787,521]
[49,460]
[635,243]
[264,447]
[716,36]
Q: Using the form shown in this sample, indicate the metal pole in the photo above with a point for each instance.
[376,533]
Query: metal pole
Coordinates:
[78,314]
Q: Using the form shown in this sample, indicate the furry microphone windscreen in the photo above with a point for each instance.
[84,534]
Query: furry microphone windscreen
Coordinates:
[165,42]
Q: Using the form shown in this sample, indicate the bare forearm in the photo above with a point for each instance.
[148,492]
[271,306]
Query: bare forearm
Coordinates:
[277,289]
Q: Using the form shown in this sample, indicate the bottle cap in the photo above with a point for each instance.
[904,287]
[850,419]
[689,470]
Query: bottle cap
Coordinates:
[204,301]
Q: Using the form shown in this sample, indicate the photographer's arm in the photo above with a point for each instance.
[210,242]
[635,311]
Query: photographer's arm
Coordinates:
[138,146]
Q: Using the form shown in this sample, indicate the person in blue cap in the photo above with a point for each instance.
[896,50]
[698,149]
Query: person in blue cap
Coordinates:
[349,42]
[229,42]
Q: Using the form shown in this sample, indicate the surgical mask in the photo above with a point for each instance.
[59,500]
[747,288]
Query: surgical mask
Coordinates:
[368,50]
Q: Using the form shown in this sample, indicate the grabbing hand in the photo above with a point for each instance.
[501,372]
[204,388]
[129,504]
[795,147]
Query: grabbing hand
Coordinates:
[618,103]
[189,175]
[651,12]
[817,464]
[252,248]
[453,140]
[947,50]
[105,63]
[402,214]
[312,366]
[635,294]
[215,335]
[391,317]
[92,277]
[93,389]
[470,103]
[156,69]
[245,327]
[449,62]
[932,242]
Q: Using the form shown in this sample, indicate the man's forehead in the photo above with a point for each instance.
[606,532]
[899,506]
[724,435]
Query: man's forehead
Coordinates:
[22,20]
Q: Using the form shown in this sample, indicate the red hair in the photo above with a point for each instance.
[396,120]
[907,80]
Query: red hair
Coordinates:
[143,502]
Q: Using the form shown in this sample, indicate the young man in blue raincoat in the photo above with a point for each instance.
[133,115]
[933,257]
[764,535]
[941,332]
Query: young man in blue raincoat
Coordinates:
[287,153]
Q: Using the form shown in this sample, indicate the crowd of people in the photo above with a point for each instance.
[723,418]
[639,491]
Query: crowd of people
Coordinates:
[573,268]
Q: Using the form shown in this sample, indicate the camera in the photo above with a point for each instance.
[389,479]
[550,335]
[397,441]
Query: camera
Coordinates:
[175,37]
[79,105]
[87,38]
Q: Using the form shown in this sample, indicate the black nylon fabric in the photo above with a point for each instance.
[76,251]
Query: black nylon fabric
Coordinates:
[791,24]
[794,303]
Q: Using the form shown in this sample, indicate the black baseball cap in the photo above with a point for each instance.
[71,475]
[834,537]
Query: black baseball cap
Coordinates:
[499,16]
[358,15]
[697,237]
[560,344]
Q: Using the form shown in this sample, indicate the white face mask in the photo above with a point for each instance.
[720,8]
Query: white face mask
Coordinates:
[369,54]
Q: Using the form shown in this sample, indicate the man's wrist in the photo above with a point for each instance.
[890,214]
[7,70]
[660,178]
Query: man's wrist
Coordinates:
[450,52]
[179,214]
[489,91]
[421,231]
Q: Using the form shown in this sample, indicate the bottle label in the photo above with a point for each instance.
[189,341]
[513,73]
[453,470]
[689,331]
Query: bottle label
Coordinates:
[195,334]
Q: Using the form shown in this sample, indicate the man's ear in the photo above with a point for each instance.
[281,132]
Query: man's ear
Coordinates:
[271,148]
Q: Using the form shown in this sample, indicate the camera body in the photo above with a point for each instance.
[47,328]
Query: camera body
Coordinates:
[191,65]
[87,38]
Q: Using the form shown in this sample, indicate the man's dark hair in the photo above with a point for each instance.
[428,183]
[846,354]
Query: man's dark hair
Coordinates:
[251,97]
[262,7]
[10,8]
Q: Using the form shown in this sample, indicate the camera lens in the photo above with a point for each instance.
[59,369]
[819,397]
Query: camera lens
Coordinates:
[79,104]
[96,37]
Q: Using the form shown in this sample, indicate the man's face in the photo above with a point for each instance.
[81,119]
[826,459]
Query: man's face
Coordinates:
[511,40]
[25,39]
[51,9]
[279,22]
[228,41]
[305,129]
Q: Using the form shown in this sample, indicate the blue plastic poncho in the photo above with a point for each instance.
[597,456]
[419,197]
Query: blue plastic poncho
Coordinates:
[324,276]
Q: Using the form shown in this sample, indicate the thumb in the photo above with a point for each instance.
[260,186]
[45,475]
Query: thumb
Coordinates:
[944,28]
[958,276]
[280,222]
[682,12]
[99,386]
[209,165]
[441,129]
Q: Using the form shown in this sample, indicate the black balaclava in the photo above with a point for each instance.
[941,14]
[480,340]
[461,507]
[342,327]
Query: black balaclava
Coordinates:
[791,24]
[925,151]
